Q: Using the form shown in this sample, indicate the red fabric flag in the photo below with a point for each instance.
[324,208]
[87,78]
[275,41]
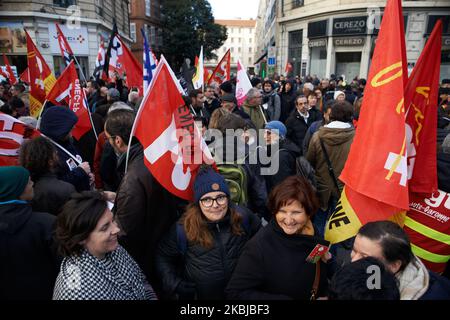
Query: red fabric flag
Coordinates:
[12,134]
[67,90]
[66,51]
[12,78]
[133,69]
[421,121]
[207,72]
[173,146]
[222,71]
[25,76]
[375,174]
[41,78]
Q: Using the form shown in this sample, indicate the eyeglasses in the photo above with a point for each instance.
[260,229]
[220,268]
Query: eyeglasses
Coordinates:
[208,202]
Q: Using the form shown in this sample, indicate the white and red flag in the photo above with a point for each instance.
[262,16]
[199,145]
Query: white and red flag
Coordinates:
[243,84]
[66,51]
[11,76]
[68,91]
[12,134]
[173,146]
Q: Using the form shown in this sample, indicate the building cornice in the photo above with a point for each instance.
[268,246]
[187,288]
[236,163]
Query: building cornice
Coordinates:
[33,14]
[352,8]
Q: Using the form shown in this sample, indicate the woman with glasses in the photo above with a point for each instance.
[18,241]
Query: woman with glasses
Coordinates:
[196,258]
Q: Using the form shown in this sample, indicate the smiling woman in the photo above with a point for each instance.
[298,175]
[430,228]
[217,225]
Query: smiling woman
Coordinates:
[274,263]
[95,267]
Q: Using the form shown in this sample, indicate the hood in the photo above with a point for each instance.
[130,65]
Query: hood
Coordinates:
[335,137]
[291,147]
[13,216]
[57,122]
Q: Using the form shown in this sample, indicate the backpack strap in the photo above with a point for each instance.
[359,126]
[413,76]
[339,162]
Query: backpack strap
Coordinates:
[181,239]
[330,167]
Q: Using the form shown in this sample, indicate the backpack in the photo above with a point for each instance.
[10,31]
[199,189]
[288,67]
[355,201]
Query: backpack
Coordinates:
[304,169]
[236,179]
[182,242]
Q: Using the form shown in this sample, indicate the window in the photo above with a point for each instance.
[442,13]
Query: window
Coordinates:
[148,6]
[133,31]
[99,7]
[249,61]
[152,36]
[232,40]
[250,40]
[239,40]
[239,49]
[250,50]
[63,3]
[297,3]
[232,50]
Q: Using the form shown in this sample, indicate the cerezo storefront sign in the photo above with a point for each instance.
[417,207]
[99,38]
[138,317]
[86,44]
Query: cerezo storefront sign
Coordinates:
[350,26]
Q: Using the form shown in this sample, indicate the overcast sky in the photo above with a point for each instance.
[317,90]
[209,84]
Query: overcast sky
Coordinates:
[231,9]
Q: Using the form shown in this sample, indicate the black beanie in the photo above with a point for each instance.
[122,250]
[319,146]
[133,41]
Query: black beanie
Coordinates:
[57,121]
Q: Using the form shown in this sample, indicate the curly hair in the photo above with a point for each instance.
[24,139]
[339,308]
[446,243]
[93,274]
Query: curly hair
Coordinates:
[38,155]
[77,220]
[196,227]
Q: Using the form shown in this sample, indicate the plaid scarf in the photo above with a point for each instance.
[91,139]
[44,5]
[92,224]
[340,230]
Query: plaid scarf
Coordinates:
[116,277]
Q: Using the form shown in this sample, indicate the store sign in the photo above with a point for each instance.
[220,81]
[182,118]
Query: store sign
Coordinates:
[350,26]
[317,43]
[77,39]
[12,38]
[317,29]
[271,56]
[349,41]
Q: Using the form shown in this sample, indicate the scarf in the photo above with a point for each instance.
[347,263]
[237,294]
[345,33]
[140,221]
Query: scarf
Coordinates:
[115,277]
[413,281]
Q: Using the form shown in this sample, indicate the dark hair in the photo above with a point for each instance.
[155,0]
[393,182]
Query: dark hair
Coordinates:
[19,87]
[77,220]
[352,281]
[16,103]
[119,123]
[38,155]
[194,93]
[293,188]
[341,111]
[300,96]
[393,240]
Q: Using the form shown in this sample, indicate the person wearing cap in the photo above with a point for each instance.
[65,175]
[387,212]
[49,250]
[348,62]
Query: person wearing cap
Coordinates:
[29,264]
[282,152]
[339,95]
[229,102]
[273,264]
[196,258]
[57,123]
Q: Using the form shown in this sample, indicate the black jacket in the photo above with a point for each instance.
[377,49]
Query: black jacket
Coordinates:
[209,268]
[77,177]
[29,265]
[273,266]
[50,194]
[145,211]
[286,155]
[297,127]
[210,107]
[443,168]
[287,104]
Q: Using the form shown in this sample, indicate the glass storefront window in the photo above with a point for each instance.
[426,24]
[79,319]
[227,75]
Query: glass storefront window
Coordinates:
[318,63]
[348,64]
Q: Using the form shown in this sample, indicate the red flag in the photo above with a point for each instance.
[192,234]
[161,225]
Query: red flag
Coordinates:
[12,134]
[133,69]
[25,76]
[222,71]
[41,78]
[207,72]
[375,174]
[12,77]
[68,90]
[173,147]
[66,51]
[421,121]
[289,67]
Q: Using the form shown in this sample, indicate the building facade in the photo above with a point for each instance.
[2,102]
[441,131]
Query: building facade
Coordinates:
[83,22]
[145,14]
[240,41]
[324,37]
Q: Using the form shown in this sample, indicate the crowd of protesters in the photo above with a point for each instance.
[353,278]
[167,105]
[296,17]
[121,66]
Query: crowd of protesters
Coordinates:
[74,224]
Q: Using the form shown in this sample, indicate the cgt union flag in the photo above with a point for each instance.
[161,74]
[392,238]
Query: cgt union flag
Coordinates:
[375,174]
[12,134]
[67,90]
[173,146]
[222,71]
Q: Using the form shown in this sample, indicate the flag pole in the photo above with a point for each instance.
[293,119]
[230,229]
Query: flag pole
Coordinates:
[40,115]
[90,118]
[79,67]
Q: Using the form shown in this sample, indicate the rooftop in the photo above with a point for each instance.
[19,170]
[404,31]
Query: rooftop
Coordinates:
[237,23]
